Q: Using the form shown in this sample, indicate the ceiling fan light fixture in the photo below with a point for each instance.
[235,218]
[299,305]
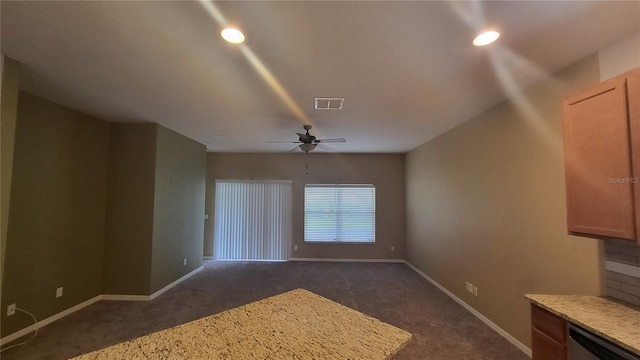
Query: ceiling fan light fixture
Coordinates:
[232,35]
[486,38]
[308,147]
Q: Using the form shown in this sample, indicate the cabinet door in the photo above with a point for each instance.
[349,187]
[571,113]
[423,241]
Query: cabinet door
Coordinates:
[548,335]
[598,170]
[549,324]
[544,348]
[633,96]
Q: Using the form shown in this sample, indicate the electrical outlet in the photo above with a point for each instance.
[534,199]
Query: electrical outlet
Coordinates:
[393,248]
[11,309]
[295,247]
[475,290]
[59,292]
[469,287]
[184,262]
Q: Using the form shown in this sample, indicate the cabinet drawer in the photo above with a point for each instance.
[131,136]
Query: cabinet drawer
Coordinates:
[549,324]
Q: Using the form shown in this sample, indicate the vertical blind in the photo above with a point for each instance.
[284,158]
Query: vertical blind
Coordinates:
[340,213]
[252,220]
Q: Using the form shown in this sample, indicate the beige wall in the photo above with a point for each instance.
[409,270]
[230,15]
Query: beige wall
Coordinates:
[486,204]
[92,204]
[155,208]
[178,214]
[620,56]
[57,218]
[9,101]
[386,172]
[129,230]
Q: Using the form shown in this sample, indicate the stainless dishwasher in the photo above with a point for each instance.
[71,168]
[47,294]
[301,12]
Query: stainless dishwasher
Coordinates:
[584,345]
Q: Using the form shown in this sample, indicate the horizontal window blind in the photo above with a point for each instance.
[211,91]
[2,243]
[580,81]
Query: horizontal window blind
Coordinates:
[340,213]
[252,220]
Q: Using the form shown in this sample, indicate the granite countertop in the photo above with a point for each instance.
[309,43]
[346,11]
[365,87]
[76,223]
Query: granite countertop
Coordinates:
[294,325]
[615,322]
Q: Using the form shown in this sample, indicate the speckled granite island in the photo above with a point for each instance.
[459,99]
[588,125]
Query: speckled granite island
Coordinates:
[297,324]
[615,322]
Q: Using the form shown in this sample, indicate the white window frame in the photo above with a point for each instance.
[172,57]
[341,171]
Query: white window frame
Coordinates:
[341,237]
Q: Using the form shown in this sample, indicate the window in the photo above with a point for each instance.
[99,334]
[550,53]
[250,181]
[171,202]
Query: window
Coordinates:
[340,213]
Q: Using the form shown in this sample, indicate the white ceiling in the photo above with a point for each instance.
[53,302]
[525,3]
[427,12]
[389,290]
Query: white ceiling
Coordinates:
[407,70]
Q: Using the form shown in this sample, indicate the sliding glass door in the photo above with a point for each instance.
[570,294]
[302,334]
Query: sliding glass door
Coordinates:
[252,220]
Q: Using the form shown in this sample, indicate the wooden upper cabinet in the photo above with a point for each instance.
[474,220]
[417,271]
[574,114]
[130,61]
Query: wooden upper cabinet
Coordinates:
[602,158]
[633,94]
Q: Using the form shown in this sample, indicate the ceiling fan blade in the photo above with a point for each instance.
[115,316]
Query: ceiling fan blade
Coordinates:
[325,147]
[295,148]
[283,142]
[336,140]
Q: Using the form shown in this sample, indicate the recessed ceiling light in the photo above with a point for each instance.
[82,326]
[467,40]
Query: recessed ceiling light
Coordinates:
[232,35]
[486,38]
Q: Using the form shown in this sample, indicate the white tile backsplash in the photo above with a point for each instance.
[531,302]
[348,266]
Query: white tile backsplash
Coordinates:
[622,265]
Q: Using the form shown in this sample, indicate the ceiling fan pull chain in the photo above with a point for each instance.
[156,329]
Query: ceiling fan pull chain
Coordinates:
[306,163]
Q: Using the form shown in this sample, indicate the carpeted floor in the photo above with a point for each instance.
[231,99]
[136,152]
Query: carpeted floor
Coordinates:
[296,324]
[393,293]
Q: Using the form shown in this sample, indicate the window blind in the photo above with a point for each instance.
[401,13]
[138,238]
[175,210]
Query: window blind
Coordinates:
[340,213]
[252,220]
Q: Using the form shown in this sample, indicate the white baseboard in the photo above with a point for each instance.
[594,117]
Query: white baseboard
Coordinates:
[185,277]
[524,348]
[18,334]
[349,260]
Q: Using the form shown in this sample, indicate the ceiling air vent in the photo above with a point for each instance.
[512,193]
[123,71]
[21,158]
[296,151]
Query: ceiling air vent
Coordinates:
[329,103]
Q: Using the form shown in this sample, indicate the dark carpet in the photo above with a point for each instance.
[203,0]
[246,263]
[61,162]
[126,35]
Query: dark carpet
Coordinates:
[393,293]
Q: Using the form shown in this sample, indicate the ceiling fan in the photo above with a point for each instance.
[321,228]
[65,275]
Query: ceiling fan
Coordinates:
[309,142]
